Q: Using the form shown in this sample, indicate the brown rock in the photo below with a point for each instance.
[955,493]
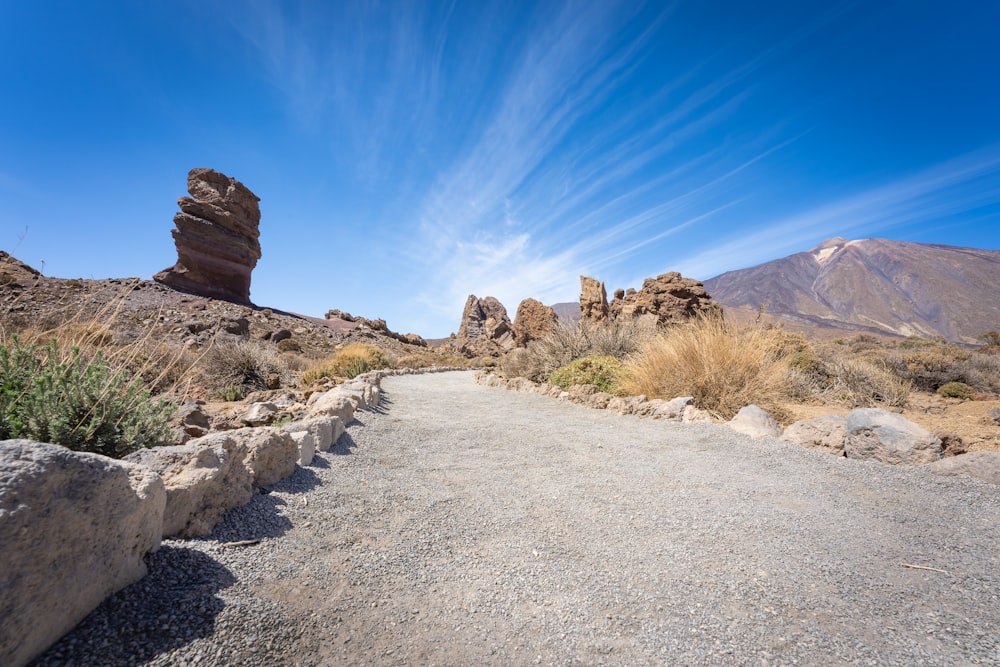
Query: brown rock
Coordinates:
[670,297]
[485,331]
[593,300]
[15,272]
[216,237]
[533,321]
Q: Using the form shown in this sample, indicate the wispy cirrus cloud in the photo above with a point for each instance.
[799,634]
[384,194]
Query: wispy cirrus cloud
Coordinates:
[955,187]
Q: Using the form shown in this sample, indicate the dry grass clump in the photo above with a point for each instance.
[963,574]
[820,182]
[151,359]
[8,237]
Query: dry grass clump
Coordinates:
[348,362]
[723,366]
[604,372]
[568,342]
[234,369]
[864,384]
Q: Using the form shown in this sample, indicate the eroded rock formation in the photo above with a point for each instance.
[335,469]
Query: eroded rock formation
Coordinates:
[669,297]
[593,300]
[216,237]
[533,321]
[485,330]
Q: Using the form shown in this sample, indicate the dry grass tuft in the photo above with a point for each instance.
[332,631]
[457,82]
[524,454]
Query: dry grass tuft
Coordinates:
[723,366]
[348,362]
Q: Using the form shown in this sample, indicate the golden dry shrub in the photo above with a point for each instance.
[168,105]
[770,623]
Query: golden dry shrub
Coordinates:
[724,366]
[348,362]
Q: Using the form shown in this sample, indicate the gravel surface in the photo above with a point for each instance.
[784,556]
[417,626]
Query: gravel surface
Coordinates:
[466,525]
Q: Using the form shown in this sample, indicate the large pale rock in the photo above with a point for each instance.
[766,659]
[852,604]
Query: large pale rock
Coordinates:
[203,479]
[754,421]
[216,237]
[873,433]
[74,528]
[485,329]
[321,428]
[307,446]
[593,300]
[335,403]
[672,410]
[983,466]
[825,434]
[669,297]
[271,453]
[260,414]
[533,320]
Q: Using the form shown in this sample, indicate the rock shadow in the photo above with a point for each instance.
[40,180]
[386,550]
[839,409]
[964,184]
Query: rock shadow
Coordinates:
[172,606]
[344,446]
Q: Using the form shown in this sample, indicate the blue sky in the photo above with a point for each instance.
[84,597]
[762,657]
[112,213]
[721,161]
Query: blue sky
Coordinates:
[410,153]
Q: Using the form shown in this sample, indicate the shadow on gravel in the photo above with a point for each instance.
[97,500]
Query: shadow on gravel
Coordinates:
[344,445]
[171,607]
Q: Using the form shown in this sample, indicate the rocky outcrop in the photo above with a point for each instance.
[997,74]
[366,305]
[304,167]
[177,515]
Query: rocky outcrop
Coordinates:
[593,300]
[670,297]
[533,321]
[485,331]
[216,237]
[884,436]
[15,272]
[74,528]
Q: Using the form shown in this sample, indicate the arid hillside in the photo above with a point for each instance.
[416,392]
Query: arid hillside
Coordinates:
[874,286]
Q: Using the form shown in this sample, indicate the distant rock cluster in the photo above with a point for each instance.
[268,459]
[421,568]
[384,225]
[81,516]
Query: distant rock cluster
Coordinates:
[486,329]
[216,237]
[669,297]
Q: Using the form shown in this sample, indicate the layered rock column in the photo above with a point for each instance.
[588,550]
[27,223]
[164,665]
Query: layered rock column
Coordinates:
[216,237]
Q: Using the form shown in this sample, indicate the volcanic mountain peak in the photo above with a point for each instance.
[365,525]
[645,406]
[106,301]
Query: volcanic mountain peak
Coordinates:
[875,285]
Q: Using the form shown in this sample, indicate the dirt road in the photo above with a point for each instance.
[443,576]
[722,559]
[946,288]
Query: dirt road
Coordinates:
[468,525]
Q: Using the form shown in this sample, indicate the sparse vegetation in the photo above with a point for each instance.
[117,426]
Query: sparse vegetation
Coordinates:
[604,372]
[568,342]
[858,383]
[349,362]
[289,345]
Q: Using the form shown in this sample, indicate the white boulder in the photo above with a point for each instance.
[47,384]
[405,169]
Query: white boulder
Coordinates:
[203,479]
[873,433]
[825,434]
[74,528]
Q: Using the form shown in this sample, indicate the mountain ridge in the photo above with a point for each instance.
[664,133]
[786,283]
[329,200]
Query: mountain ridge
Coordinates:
[879,285]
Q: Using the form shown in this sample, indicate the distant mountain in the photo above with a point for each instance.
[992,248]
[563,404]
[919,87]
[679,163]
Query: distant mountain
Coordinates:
[567,312]
[876,285]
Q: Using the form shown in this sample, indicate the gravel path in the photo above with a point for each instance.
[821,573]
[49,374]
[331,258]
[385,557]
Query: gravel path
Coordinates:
[469,525]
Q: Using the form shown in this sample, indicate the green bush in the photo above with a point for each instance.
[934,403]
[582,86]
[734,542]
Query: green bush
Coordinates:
[956,390]
[603,372]
[86,405]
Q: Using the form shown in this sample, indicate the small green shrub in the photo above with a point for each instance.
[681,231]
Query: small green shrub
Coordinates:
[86,405]
[956,390]
[604,372]
[231,394]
